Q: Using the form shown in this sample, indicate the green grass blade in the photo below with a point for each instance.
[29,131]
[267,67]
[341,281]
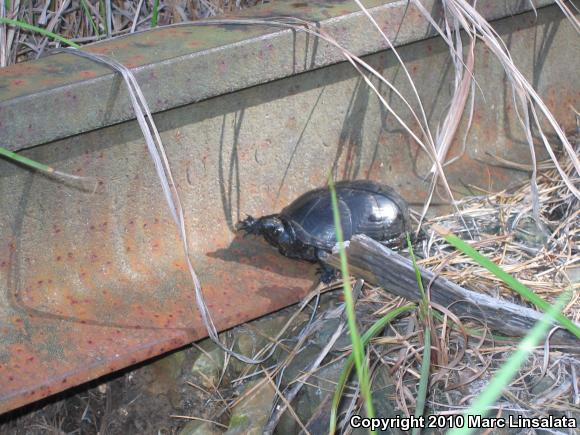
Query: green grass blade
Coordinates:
[39,30]
[425,314]
[372,332]
[155,13]
[90,17]
[508,371]
[424,300]
[357,346]
[521,289]
[86,183]
[25,161]
[424,380]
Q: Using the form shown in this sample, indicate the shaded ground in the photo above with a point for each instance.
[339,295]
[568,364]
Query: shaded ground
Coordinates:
[139,401]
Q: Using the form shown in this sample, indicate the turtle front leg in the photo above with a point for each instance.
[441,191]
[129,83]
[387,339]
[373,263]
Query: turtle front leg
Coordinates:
[327,273]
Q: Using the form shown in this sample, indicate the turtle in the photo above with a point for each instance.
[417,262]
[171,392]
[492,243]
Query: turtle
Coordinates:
[305,228]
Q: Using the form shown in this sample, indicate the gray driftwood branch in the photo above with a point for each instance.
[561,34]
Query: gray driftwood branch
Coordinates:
[381,266]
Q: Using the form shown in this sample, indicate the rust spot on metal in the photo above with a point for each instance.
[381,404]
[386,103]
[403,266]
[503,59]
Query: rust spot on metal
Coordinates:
[87,74]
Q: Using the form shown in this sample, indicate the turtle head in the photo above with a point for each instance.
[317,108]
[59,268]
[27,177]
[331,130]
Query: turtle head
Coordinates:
[271,227]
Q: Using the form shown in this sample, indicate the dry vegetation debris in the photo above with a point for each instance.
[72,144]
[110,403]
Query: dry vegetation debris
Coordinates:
[86,21]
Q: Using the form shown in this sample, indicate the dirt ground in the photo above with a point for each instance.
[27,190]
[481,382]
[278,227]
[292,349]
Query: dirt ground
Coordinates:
[141,400]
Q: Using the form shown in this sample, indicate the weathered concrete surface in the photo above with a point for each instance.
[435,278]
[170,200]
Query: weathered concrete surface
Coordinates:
[90,283]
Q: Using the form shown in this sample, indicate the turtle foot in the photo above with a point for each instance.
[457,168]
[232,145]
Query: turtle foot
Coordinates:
[328,274]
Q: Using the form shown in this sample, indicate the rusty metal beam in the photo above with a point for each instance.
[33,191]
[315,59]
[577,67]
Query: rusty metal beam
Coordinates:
[91,283]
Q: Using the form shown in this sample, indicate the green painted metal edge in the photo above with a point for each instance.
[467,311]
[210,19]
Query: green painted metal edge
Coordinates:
[61,95]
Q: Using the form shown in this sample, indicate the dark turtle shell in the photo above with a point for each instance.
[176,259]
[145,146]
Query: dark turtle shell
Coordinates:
[365,207]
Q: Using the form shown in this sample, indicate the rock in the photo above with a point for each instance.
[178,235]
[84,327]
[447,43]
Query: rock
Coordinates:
[545,384]
[251,339]
[328,329]
[252,413]
[208,365]
[312,405]
[165,376]
[195,427]
[573,273]
[383,392]
[530,232]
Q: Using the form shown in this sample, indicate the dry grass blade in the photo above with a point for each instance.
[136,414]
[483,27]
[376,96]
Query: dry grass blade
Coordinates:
[569,14]
[52,25]
[8,34]
[461,13]
[528,97]
[108,18]
[163,169]
[538,258]
[3,40]
[437,150]
[136,17]
[463,85]
[405,70]
[267,430]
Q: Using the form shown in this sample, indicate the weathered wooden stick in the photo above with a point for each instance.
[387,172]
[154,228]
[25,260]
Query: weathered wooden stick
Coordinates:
[381,266]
